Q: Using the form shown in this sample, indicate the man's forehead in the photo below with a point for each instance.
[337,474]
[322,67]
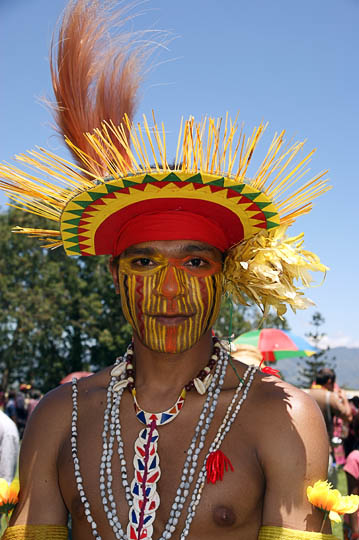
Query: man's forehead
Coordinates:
[172,248]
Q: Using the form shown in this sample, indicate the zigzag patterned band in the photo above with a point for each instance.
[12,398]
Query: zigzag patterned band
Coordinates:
[91,220]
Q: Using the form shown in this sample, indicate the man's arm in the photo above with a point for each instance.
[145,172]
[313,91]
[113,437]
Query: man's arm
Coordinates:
[340,405]
[294,454]
[40,499]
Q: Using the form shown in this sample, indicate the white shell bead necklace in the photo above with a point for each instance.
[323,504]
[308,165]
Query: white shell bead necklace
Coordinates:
[112,430]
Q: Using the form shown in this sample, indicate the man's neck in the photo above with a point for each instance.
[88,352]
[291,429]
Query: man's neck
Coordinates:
[160,377]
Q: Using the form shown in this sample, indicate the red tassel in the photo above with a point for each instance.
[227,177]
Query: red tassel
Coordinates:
[271,371]
[216,463]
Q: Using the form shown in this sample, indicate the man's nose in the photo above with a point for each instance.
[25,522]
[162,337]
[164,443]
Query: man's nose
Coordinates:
[170,285]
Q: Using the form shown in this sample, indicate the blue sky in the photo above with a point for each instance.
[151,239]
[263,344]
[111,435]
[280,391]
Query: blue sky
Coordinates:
[293,64]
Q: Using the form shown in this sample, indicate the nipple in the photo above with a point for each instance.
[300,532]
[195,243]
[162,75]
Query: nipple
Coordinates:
[224,516]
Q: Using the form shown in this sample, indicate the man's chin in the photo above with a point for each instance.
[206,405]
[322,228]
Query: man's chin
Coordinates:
[162,348]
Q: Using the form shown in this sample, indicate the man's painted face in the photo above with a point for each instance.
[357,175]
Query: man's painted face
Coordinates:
[170,292]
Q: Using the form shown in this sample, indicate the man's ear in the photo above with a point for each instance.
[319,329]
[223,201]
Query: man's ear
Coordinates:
[113,267]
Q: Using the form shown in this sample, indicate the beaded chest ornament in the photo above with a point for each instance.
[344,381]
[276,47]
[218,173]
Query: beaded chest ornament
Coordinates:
[146,461]
[142,495]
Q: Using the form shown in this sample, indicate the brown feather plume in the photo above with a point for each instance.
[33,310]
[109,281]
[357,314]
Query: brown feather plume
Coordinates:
[95,75]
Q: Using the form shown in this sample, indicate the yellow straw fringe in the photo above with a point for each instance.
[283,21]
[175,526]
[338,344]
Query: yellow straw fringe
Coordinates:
[201,147]
[271,269]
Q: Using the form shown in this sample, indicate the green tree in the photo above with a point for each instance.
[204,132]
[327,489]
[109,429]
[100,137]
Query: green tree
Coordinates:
[312,364]
[58,314]
[235,319]
[232,320]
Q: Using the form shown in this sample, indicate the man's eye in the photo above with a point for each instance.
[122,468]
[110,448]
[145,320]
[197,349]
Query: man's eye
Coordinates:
[196,262]
[143,261]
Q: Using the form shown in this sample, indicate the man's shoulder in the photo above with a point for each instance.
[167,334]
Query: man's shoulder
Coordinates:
[287,422]
[63,393]
[283,404]
[52,408]
[276,390]
[50,422]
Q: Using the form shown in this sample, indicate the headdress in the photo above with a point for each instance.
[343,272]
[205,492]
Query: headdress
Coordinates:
[124,190]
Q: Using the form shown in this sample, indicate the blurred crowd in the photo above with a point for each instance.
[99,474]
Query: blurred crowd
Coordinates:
[15,410]
[341,416]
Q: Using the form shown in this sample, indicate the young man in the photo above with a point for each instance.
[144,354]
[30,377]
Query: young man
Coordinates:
[173,440]
[331,403]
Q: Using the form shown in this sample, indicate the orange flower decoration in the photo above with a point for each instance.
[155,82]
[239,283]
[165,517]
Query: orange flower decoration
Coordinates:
[323,496]
[9,495]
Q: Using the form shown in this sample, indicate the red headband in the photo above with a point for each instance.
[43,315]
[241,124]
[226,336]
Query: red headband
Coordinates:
[171,225]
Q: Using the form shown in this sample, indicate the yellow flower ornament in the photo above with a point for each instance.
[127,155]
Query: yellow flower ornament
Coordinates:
[8,495]
[323,496]
[347,505]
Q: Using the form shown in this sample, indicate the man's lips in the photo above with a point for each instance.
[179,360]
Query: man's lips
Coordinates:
[172,319]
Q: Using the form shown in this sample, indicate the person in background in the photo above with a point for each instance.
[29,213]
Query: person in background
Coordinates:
[340,431]
[351,468]
[9,447]
[2,399]
[35,396]
[332,404]
[21,410]
[10,407]
[351,441]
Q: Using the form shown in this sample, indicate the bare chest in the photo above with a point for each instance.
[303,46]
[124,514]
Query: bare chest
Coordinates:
[229,508]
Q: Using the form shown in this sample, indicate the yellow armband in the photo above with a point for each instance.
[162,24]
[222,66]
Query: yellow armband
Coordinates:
[35,532]
[278,533]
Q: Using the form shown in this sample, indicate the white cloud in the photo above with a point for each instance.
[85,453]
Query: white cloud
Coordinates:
[339,340]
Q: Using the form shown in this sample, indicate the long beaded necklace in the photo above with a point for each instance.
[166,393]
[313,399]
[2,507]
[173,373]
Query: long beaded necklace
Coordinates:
[135,500]
[112,430]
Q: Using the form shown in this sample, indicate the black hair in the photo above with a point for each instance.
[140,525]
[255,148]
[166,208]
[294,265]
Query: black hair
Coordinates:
[324,375]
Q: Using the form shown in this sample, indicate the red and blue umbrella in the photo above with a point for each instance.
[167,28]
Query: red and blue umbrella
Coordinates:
[275,344]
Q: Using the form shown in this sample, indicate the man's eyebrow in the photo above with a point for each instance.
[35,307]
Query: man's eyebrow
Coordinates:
[132,250]
[194,247]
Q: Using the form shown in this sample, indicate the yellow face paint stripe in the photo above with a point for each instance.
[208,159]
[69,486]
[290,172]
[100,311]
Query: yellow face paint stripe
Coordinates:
[145,290]
[210,295]
[199,307]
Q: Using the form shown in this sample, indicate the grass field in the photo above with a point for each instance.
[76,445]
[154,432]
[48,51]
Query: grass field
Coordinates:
[342,486]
